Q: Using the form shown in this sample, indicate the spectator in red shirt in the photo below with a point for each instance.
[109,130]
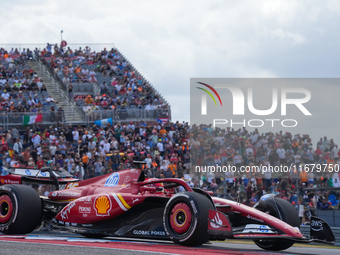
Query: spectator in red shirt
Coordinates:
[40,163]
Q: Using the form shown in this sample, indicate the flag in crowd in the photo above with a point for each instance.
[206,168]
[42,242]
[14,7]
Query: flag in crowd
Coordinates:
[31,119]
[103,122]
[162,120]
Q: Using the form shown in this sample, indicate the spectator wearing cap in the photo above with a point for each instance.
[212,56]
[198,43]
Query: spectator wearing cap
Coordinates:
[93,79]
[104,103]
[36,139]
[185,148]
[160,147]
[88,100]
[5,94]
[53,148]
[36,100]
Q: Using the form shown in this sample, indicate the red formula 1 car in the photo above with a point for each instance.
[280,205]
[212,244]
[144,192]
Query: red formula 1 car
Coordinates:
[124,204]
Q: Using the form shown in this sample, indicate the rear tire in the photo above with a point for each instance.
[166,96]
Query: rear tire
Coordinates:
[288,215]
[185,218]
[20,209]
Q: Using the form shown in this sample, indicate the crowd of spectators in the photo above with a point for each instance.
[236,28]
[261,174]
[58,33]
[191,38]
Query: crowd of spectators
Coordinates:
[175,150]
[120,86]
[244,149]
[21,90]
[98,150]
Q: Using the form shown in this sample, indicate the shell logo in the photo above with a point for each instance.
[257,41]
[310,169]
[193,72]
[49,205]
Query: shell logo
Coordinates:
[2,181]
[102,205]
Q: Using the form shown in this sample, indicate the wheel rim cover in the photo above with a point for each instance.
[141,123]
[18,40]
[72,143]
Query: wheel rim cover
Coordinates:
[6,208]
[180,218]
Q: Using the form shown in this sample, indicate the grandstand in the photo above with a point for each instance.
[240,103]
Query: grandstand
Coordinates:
[117,90]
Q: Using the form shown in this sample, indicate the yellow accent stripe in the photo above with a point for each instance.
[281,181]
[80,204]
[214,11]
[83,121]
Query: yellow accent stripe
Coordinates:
[123,201]
[62,201]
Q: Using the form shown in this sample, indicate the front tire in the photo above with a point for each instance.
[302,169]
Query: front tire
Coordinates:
[185,218]
[20,209]
[288,215]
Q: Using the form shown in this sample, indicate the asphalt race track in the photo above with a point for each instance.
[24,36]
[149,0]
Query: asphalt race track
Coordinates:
[54,243]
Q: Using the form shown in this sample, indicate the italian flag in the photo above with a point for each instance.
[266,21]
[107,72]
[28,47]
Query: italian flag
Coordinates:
[31,119]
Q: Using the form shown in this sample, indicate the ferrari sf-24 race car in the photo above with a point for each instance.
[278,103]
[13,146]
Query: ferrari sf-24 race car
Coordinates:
[125,204]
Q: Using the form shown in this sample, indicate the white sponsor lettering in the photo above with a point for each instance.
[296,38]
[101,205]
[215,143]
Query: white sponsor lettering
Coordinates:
[67,210]
[85,199]
[193,206]
[316,225]
[83,209]
[6,181]
[254,218]
[134,171]
[5,188]
[65,194]
[149,233]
